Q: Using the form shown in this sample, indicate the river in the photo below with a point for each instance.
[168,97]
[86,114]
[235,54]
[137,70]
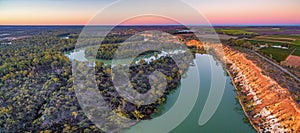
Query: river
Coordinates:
[227,119]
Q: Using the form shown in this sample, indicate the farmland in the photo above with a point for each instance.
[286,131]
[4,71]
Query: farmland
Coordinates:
[278,54]
[234,32]
[296,42]
[277,47]
[276,43]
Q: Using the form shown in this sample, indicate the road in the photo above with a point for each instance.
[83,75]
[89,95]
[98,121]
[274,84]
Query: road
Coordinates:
[278,66]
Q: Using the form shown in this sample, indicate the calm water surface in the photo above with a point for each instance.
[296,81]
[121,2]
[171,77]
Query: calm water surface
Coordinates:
[227,119]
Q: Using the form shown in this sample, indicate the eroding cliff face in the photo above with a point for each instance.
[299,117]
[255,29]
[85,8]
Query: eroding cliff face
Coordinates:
[269,106]
[195,43]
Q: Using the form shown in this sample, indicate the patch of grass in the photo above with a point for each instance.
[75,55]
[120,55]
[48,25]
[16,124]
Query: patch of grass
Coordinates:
[262,42]
[296,48]
[266,38]
[296,42]
[297,52]
[234,32]
[276,53]
[295,36]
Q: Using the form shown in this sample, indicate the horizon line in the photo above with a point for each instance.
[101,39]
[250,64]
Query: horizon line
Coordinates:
[150,25]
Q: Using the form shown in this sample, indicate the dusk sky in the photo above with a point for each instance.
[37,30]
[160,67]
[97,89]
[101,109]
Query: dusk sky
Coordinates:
[77,12]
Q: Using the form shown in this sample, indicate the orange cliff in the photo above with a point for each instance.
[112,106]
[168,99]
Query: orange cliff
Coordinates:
[269,107]
[194,43]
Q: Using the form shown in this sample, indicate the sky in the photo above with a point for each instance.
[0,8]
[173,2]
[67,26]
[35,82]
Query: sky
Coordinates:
[80,12]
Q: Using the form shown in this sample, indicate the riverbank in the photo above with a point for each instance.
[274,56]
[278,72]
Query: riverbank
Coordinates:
[229,108]
[268,106]
[270,70]
[244,110]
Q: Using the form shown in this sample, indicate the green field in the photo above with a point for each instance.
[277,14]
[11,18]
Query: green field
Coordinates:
[296,42]
[296,52]
[234,32]
[281,54]
[293,36]
[262,38]
[263,42]
[276,53]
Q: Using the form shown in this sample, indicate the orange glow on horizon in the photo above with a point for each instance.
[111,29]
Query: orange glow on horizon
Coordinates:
[148,20]
[48,12]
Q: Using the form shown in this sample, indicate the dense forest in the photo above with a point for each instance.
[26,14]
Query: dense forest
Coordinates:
[37,92]
[36,86]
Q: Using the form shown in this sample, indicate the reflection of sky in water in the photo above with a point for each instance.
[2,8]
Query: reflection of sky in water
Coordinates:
[77,55]
[220,119]
[225,111]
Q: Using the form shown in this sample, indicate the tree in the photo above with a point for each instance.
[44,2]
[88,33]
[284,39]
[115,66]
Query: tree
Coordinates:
[99,64]
[35,61]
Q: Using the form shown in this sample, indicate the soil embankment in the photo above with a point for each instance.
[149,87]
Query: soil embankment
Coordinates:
[269,106]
